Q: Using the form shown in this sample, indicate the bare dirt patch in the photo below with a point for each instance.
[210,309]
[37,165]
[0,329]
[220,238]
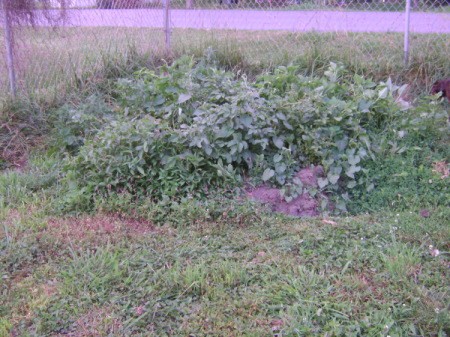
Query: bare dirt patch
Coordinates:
[99,321]
[441,168]
[15,141]
[302,206]
[14,222]
[97,228]
[12,216]
[358,289]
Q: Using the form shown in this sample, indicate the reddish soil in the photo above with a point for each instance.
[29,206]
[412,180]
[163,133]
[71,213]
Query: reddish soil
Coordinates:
[302,206]
[98,321]
[442,168]
[101,227]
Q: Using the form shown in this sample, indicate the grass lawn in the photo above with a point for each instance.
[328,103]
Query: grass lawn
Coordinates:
[246,273]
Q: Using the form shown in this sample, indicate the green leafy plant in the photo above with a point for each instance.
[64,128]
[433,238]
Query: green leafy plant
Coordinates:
[146,158]
[75,124]
[189,127]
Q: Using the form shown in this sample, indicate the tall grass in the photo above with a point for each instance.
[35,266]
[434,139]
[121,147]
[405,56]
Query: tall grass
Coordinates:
[51,63]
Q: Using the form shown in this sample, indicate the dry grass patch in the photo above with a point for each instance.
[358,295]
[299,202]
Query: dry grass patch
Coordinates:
[14,223]
[30,293]
[100,228]
[441,168]
[359,288]
[98,321]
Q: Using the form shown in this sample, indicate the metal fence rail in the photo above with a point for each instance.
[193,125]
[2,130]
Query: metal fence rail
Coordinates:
[56,52]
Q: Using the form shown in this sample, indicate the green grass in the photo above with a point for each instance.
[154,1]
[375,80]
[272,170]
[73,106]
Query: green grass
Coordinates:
[112,275]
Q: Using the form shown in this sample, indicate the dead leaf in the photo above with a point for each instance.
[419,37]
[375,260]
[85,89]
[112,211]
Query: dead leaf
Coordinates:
[276,324]
[441,167]
[139,310]
[425,213]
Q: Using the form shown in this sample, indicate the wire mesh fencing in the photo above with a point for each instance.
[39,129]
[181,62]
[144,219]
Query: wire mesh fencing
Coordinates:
[69,41]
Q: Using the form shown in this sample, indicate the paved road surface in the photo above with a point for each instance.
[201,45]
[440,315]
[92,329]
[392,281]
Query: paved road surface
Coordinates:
[325,21]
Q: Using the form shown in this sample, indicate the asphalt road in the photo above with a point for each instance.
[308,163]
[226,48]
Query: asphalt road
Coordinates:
[324,21]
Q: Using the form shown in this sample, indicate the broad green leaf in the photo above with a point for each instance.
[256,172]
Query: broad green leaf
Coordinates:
[402,149]
[278,141]
[281,179]
[312,192]
[281,116]
[297,181]
[322,182]
[208,149]
[383,93]
[159,100]
[287,125]
[277,158]
[280,168]
[333,178]
[342,144]
[328,162]
[364,105]
[171,90]
[224,132]
[246,120]
[268,173]
[369,93]
[336,170]
[351,184]
[362,152]
[183,98]
[141,170]
[352,170]
[340,205]
[353,160]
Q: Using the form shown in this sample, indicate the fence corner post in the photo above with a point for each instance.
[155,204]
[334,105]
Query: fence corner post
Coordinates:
[9,47]
[406,36]
[167,31]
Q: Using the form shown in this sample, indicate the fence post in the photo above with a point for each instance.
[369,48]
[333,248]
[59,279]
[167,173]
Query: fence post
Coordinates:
[406,40]
[9,47]
[167,32]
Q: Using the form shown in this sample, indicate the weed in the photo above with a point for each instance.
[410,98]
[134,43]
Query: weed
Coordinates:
[190,128]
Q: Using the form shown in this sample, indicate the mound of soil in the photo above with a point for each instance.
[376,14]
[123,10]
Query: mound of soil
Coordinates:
[302,206]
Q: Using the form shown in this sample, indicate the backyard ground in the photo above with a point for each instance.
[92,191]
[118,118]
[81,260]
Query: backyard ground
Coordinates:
[246,273]
[78,260]
[125,176]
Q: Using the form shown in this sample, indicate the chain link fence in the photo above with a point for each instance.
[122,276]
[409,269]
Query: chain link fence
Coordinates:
[372,36]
